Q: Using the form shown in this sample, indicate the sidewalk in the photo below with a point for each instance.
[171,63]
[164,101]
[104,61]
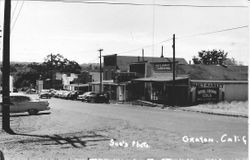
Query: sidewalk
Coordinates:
[235,109]
[212,111]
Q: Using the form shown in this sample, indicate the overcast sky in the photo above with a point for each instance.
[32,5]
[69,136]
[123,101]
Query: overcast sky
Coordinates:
[78,30]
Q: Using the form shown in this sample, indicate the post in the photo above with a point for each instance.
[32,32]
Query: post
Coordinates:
[143,55]
[51,71]
[173,87]
[162,52]
[6,68]
[100,50]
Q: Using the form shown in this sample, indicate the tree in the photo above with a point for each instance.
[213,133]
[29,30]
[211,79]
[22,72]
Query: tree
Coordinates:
[210,57]
[83,78]
[26,78]
[57,63]
[26,75]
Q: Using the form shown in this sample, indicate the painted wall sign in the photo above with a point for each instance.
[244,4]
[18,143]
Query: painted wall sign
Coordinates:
[207,95]
[162,67]
[207,84]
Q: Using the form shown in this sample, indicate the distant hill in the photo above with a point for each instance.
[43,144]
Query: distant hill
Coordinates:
[214,72]
[16,62]
[90,66]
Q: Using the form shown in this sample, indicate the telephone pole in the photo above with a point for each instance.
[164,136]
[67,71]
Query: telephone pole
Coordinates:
[143,55]
[6,69]
[100,50]
[173,87]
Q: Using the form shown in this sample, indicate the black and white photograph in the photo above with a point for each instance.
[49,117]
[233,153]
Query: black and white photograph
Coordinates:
[124,79]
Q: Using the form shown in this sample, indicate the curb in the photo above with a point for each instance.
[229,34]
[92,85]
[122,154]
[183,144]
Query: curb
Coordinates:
[214,113]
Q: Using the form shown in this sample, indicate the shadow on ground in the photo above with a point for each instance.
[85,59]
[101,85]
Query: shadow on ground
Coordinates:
[76,140]
[26,114]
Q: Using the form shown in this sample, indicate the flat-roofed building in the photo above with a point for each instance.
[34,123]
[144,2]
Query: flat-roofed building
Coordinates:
[115,63]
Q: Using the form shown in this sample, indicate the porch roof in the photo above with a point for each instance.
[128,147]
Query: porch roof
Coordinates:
[110,82]
[158,79]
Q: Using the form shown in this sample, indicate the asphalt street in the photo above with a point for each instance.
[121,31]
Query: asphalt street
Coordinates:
[159,133]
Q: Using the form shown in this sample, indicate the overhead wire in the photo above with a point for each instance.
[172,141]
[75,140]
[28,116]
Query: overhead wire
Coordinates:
[213,32]
[14,11]
[143,4]
[182,37]
[1,28]
[18,14]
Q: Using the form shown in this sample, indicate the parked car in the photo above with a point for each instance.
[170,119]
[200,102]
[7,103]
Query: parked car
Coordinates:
[45,95]
[22,103]
[61,94]
[58,93]
[83,96]
[97,98]
[31,91]
[52,92]
[74,94]
[65,94]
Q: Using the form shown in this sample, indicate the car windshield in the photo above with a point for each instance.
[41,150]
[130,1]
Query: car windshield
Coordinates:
[87,93]
[19,99]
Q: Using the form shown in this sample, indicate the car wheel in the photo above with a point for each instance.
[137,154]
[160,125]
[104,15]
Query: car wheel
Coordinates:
[32,111]
[92,100]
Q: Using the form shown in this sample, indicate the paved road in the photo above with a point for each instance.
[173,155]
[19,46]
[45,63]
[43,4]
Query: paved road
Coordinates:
[168,133]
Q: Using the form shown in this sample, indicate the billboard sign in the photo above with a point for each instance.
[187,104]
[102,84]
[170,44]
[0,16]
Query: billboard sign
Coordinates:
[204,95]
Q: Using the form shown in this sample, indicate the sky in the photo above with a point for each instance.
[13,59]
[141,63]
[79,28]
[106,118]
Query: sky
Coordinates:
[77,30]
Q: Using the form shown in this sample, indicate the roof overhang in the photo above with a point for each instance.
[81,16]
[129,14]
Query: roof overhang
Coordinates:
[158,79]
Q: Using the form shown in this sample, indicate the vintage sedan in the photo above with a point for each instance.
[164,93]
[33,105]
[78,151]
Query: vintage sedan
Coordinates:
[83,96]
[45,95]
[22,103]
[97,98]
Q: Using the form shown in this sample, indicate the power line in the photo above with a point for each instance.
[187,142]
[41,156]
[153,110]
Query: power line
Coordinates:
[142,4]
[213,32]
[13,26]
[189,36]
[153,30]
[14,11]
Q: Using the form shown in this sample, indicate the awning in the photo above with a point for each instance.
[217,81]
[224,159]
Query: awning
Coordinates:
[158,79]
[79,85]
[107,82]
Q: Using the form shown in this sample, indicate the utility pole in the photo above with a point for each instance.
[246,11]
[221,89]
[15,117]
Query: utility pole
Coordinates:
[100,50]
[173,87]
[51,71]
[6,69]
[143,55]
[162,52]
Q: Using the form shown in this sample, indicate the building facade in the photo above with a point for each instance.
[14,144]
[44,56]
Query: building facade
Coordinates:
[213,91]
[115,63]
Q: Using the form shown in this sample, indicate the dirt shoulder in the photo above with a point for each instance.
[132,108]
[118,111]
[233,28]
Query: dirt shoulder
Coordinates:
[235,109]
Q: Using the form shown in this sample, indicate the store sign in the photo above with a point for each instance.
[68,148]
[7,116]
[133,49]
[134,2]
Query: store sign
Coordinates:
[162,67]
[207,95]
[124,77]
[207,84]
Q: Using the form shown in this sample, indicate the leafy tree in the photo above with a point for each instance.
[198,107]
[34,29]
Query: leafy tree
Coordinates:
[26,78]
[84,77]
[26,75]
[56,62]
[210,57]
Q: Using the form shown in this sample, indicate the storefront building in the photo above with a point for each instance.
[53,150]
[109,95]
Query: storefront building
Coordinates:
[212,91]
